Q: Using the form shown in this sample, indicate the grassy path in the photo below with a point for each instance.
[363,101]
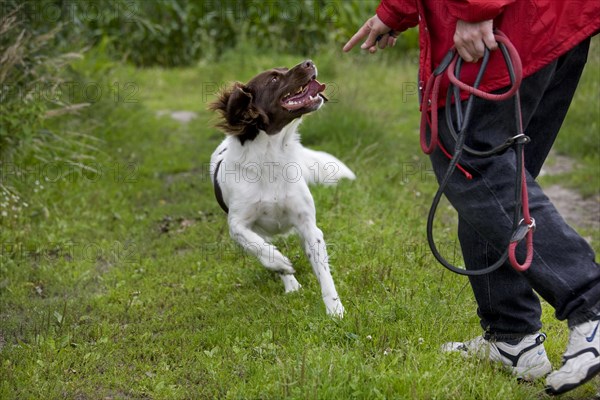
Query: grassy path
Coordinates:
[123,283]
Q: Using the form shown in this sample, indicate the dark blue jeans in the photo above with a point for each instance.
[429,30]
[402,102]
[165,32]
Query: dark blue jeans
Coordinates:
[563,271]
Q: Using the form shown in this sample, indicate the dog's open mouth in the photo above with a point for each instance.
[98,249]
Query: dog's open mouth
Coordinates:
[305,96]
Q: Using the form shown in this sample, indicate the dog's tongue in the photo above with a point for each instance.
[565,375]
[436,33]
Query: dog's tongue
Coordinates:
[321,88]
[313,88]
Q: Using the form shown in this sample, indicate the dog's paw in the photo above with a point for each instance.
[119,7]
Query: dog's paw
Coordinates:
[334,307]
[290,283]
[280,264]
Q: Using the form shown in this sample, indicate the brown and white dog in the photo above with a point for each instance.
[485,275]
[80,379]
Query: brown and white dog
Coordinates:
[261,171]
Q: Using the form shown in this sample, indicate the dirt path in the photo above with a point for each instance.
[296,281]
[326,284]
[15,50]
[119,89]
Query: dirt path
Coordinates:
[182,116]
[577,211]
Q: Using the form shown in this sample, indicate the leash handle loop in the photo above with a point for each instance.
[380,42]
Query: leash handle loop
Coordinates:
[517,68]
[451,64]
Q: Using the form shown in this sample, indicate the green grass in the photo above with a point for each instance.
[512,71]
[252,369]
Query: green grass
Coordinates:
[124,284]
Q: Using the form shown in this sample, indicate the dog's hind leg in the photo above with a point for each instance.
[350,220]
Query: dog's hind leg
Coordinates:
[254,244]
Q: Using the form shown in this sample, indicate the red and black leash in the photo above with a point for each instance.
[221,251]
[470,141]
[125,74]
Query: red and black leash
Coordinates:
[451,65]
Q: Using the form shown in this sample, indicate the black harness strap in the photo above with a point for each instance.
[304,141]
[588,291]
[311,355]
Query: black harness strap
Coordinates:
[218,192]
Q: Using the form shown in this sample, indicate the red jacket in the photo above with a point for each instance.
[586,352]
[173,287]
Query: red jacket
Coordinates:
[541,31]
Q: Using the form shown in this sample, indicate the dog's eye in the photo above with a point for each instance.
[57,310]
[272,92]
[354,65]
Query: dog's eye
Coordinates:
[274,78]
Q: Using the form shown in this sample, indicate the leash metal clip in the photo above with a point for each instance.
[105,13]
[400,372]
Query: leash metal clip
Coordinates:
[521,138]
[522,230]
[530,226]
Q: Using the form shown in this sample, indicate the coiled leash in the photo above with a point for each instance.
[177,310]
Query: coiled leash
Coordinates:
[451,64]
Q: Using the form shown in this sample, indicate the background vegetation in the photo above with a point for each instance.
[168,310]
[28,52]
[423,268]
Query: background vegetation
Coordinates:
[117,276]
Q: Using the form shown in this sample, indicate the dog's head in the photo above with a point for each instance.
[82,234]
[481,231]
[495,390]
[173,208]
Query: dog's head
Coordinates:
[270,100]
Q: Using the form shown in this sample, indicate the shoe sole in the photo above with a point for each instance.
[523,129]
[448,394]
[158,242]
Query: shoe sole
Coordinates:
[526,374]
[592,372]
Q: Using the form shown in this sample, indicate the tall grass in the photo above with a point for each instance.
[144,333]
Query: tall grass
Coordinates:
[40,38]
[182,32]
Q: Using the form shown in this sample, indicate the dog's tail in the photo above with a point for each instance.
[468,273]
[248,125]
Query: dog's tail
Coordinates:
[323,168]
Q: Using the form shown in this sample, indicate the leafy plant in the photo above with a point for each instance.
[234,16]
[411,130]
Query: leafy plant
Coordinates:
[182,32]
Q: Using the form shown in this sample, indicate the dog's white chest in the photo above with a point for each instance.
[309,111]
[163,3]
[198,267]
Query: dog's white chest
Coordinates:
[273,198]
[272,218]
[264,181]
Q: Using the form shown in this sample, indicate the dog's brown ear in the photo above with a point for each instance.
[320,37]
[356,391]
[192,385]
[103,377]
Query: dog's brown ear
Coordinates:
[239,101]
[240,116]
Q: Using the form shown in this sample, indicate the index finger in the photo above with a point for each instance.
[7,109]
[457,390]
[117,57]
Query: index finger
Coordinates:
[358,36]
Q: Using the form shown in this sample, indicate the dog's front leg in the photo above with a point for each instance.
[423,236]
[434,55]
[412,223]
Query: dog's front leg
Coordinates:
[290,283]
[254,244]
[316,251]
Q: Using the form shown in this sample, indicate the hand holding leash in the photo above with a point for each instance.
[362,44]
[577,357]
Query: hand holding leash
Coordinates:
[471,39]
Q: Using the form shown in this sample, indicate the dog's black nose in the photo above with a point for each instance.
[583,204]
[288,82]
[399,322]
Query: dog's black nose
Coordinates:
[308,64]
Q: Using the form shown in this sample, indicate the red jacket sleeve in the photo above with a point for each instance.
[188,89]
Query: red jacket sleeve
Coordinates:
[398,14]
[476,10]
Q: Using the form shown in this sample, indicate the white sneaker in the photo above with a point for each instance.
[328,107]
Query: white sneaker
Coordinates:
[581,361]
[526,359]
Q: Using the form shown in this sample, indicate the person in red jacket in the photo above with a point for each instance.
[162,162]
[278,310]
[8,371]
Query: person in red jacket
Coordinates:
[552,38]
